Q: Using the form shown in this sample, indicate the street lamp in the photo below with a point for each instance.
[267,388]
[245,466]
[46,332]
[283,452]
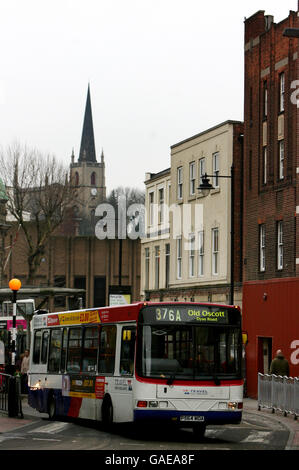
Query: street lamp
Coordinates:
[14,285]
[205,187]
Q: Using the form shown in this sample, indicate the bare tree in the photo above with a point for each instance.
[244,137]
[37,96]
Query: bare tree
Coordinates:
[121,199]
[39,195]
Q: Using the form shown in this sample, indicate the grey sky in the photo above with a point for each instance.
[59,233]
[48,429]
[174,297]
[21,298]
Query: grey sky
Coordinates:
[159,71]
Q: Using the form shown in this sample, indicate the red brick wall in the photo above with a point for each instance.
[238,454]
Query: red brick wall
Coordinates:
[277,199]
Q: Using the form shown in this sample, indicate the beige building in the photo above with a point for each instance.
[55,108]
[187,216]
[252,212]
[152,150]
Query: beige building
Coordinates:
[155,260]
[191,261]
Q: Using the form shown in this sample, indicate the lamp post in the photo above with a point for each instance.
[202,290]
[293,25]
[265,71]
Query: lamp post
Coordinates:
[14,285]
[205,187]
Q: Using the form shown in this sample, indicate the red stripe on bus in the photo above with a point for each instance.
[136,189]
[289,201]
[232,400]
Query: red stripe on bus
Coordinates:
[75,406]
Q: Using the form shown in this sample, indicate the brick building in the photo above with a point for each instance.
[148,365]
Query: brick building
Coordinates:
[271,198]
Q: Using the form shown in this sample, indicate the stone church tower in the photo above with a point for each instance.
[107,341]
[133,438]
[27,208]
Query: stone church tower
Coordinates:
[87,175]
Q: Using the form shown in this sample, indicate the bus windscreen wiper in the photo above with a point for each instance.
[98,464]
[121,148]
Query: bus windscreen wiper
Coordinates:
[216,380]
[171,379]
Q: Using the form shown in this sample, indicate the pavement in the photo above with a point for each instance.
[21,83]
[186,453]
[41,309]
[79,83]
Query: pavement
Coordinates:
[249,406]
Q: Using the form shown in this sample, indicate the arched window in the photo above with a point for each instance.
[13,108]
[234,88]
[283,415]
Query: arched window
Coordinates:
[76,179]
[93,179]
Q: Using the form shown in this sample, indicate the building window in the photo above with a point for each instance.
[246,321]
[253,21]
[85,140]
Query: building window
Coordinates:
[180,182]
[215,251]
[262,247]
[192,178]
[93,179]
[59,300]
[281,91]
[157,266]
[151,208]
[191,254]
[279,245]
[167,264]
[179,257]
[202,169]
[201,253]
[169,193]
[161,206]
[264,165]
[147,268]
[216,170]
[76,179]
[281,159]
[265,100]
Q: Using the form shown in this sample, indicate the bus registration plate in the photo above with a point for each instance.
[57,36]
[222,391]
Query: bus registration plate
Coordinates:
[192,418]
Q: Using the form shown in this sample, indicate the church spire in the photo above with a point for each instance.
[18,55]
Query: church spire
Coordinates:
[87,149]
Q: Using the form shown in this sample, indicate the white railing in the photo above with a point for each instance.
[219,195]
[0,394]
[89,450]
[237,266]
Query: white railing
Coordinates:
[279,393]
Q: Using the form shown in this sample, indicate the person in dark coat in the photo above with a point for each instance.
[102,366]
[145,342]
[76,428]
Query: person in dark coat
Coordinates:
[280,365]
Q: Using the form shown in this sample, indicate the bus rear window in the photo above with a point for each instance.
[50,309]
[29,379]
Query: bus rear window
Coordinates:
[45,345]
[37,346]
[55,350]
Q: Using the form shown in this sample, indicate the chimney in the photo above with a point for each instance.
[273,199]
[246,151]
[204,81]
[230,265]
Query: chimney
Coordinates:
[269,19]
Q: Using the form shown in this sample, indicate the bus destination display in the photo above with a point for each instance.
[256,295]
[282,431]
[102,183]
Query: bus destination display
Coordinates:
[196,314]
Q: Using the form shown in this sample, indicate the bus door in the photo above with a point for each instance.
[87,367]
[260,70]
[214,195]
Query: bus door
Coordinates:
[39,363]
[124,372]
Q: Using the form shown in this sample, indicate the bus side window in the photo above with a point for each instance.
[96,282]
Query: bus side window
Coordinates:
[45,345]
[74,350]
[64,349]
[90,349]
[37,346]
[55,350]
[127,354]
[107,349]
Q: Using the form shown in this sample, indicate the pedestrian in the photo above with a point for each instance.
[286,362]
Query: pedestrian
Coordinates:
[280,365]
[24,370]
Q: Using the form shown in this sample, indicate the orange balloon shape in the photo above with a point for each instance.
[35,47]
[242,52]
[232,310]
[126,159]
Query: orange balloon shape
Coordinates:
[14,284]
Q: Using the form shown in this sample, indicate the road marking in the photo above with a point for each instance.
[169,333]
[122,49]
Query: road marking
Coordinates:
[52,428]
[212,432]
[129,444]
[258,436]
[52,440]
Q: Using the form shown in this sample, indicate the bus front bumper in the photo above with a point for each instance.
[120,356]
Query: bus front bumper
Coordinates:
[185,419]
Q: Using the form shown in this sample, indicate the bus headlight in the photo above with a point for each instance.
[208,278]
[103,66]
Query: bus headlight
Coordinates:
[153,404]
[232,405]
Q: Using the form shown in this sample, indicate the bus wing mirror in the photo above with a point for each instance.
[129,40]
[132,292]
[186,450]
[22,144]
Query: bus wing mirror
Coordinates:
[244,337]
[127,335]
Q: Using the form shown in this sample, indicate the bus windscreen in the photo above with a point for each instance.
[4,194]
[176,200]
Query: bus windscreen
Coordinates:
[177,342]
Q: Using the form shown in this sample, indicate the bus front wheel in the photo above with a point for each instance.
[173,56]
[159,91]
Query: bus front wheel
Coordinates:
[51,407]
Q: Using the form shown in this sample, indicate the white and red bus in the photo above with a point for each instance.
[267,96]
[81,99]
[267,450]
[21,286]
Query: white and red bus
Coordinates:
[172,362]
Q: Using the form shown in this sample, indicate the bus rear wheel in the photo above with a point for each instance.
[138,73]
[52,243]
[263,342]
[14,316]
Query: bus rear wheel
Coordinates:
[51,407]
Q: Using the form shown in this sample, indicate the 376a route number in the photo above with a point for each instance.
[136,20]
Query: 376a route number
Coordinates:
[168,314]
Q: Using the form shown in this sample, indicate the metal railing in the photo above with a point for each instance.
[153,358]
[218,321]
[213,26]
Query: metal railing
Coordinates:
[10,395]
[279,393]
